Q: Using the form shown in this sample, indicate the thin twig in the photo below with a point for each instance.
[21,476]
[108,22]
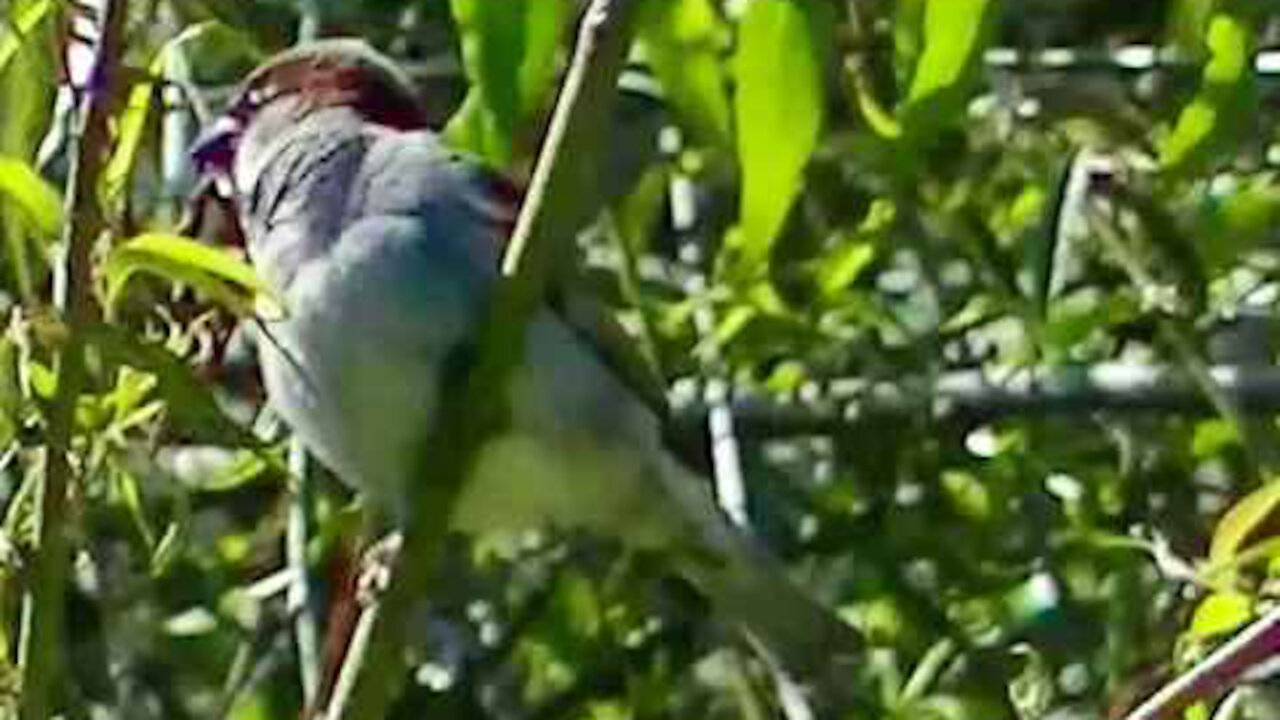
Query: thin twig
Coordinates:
[562,171]
[44,614]
[1220,671]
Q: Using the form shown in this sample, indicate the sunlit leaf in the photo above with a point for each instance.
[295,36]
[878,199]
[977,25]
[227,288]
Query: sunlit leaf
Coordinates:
[1226,97]
[142,99]
[1237,222]
[37,199]
[1221,613]
[545,22]
[842,267]
[11,400]
[734,323]
[970,497]
[908,37]
[955,35]
[880,120]
[682,42]
[1240,523]
[216,272]
[508,53]
[1043,248]
[118,172]
[28,82]
[25,21]
[779,105]
[1213,436]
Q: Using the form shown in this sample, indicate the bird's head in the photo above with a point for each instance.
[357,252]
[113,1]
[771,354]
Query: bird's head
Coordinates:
[293,84]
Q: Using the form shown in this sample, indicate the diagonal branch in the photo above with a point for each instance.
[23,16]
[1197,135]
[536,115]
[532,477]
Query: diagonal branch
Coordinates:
[1225,668]
[373,674]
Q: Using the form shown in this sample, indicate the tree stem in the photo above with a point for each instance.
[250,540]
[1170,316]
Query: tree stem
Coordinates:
[44,629]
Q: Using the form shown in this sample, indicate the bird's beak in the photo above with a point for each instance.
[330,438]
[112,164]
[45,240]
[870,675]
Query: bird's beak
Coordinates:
[215,148]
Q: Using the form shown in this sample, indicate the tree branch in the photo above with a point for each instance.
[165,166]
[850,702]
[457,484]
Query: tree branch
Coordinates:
[541,240]
[44,619]
[1222,670]
[982,396]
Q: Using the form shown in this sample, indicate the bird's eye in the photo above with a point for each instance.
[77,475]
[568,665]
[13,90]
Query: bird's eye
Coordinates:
[256,97]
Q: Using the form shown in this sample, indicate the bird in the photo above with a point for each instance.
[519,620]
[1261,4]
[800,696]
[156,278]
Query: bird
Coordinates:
[383,246]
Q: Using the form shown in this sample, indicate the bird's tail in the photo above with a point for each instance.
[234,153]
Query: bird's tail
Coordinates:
[750,588]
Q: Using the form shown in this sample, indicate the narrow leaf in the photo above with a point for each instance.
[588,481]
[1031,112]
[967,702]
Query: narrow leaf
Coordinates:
[219,274]
[1224,101]
[508,54]
[908,37]
[11,400]
[682,40]
[780,64]
[142,99]
[26,21]
[1221,613]
[36,198]
[28,82]
[955,36]
[1240,523]
[1043,249]
[844,266]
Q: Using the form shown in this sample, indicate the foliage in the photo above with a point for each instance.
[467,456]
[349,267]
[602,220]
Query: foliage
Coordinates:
[846,209]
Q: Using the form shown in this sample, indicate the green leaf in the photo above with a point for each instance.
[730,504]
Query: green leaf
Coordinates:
[682,42]
[118,172]
[11,400]
[509,51]
[222,276]
[1041,257]
[955,36]
[881,121]
[27,19]
[1242,521]
[1225,100]
[1212,436]
[188,399]
[544,25]
[908,36]
[1221,613]
[37,199]
[843,267]
[137,109]
[1236,223]
[29,48]
[853,254]
[780,63]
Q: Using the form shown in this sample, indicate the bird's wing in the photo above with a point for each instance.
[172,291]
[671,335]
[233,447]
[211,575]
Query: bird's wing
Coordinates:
[594,326]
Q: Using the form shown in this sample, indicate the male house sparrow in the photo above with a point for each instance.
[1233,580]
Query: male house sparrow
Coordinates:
[384,246]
